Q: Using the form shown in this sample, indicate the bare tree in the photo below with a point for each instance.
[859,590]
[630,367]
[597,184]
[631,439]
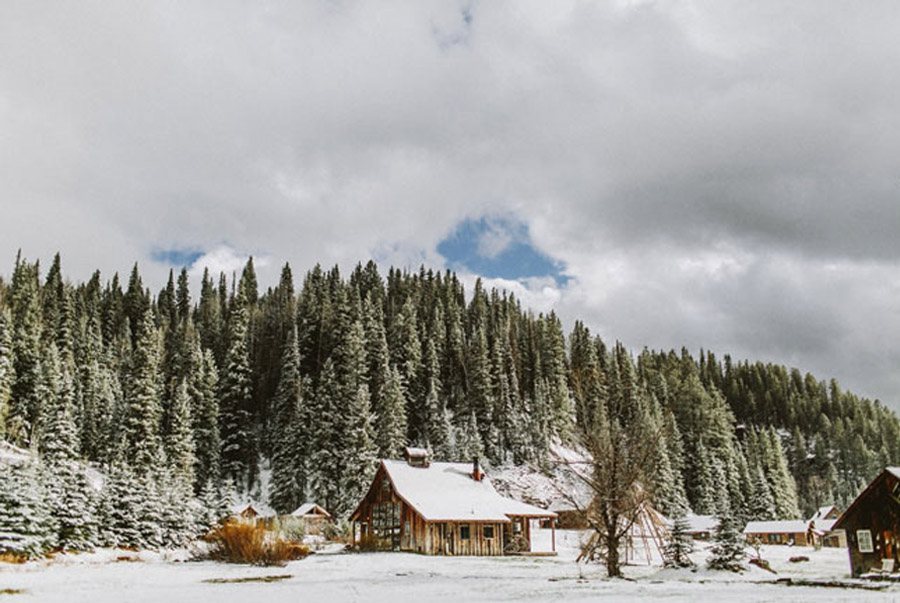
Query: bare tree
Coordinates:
[621,452]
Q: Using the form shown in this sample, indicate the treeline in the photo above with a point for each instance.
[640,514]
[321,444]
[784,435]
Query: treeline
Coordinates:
[322,381]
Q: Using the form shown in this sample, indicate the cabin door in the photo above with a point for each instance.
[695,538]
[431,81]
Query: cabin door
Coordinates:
[888,544]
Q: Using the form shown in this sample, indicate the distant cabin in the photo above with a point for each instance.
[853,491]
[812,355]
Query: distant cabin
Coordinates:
[569,517]
[311,517]
[792,532]
[821,528]
[701,527]
[872,525]
[442,509]
[251,512]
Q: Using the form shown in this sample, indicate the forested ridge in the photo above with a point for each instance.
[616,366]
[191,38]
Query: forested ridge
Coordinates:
[176,399]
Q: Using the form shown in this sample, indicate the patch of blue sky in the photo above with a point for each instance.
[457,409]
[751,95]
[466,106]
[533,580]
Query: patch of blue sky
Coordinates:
[498,248]
[175,256]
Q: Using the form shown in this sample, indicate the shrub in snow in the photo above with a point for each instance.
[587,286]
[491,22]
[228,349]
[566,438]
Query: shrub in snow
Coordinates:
[248,542]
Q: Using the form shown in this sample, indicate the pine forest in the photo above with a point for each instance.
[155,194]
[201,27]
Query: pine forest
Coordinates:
[180,403]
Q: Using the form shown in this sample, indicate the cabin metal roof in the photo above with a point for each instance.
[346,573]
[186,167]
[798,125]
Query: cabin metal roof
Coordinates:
[790,526]
[447,492]
[308,508]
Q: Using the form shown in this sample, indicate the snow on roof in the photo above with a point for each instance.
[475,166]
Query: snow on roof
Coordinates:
[822,512]
[895,471]
[701,523]
[790,526]
[447,492]
[261,509]
[413,451]
[308,508]
[824,525]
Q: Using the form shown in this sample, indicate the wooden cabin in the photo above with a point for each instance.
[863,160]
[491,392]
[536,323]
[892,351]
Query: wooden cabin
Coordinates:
[702,527]
[821,528]
[311,517]
[254,513]
[872,525]
[790,532]
[442,509]
[568,516]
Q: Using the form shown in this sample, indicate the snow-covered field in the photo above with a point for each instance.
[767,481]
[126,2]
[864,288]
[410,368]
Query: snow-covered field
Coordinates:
[332,576]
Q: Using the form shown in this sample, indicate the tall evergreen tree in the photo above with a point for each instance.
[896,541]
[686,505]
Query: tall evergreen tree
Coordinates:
[7,372]
[27,327]
[236,396]
[390,422]
[143,405]
[288,483]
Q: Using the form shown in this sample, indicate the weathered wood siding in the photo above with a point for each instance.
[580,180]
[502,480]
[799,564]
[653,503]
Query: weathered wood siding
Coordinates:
[797,538]
[878,511]
[446,538]
[385,519]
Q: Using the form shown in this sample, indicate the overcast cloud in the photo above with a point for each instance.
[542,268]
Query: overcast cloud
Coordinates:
[711,174]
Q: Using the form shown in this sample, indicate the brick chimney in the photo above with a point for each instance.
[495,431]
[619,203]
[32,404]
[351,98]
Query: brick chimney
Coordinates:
[477,473]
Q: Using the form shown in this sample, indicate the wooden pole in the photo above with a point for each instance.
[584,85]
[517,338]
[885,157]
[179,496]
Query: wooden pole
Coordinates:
[553,534]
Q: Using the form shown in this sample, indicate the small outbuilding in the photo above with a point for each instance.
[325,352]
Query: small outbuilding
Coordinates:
[311,517]
[790,532]
[442,509]
[701,527]
[872,525]
[568,516]
[821,528]
[250,512]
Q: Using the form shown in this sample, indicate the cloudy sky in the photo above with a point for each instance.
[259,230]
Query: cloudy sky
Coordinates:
[711,174]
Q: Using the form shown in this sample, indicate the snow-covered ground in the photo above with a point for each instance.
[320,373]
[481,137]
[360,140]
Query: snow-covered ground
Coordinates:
[333,577]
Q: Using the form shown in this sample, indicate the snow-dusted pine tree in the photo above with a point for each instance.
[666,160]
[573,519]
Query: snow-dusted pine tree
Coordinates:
[762,506]
[206,419]
[180,441]
[26,320]
[25,524]
[236,395]
[784,489]
[121,509]
[469,445]
[143,405]
[390,423]
[7,372]
[360,452]
[727,552]
[285,493]
[680,544]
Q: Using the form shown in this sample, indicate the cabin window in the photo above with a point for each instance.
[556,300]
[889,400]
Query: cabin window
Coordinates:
[864,541]
[463,532]
[488,532]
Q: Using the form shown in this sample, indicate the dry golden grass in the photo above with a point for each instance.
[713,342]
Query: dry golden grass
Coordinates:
[12,558]
[369,543]
[240,542]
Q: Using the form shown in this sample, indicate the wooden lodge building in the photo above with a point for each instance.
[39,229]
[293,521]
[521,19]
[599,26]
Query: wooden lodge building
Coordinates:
[872,526]
[792,531]
[442,509]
